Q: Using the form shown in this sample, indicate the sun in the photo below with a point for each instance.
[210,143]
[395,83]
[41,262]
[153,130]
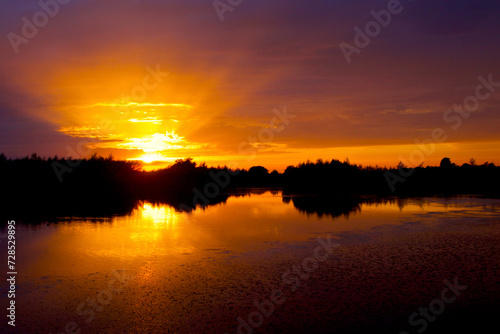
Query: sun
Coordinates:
[157,142]
[148,158]
[154,161]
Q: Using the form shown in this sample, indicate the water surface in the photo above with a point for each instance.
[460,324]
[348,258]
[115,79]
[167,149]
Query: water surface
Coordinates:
[216,255]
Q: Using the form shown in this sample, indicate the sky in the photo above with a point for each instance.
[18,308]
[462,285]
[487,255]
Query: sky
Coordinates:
[244,83]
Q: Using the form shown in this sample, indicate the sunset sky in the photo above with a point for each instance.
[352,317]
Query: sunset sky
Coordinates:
[162,80]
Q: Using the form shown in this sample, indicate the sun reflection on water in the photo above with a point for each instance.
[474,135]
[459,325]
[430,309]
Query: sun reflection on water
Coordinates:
[159,214]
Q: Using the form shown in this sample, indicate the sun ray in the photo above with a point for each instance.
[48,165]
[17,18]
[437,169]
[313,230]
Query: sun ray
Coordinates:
[136,104]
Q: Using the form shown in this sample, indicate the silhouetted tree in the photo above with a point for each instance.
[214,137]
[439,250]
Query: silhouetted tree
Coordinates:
[445,163]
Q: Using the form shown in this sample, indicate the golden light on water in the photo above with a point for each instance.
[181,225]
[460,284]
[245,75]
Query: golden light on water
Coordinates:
[159,214]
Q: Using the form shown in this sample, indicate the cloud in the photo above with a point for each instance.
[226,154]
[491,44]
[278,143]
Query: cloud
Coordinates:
[226,77]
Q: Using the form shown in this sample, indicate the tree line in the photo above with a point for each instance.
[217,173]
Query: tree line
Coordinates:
[104,185]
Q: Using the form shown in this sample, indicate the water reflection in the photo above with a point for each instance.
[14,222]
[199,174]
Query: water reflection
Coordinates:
[328,206]
[158,214]
[178,258]
[169,213]
[245,222]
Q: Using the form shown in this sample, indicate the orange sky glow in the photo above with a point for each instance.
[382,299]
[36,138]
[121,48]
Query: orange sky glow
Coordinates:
[156,82]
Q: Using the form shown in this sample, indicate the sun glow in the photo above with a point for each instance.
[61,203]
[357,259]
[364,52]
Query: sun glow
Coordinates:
[157,142]
[153,157]
[147,132]
[153,120]
[137,104]
[149,158]
[159,214]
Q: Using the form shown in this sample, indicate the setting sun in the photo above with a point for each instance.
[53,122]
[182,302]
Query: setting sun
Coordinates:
[149,158]
[152,157]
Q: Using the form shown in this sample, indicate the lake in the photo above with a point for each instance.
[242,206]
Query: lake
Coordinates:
[261,262]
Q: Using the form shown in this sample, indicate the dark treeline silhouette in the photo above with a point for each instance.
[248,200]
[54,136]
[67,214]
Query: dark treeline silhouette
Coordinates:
[95,186]
[334,177]
[100,186]
[343,178]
